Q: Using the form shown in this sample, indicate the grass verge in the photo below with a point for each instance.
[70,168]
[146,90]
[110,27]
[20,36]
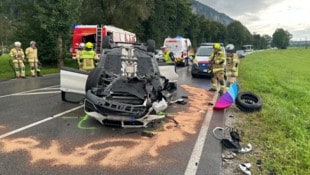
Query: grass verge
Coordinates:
[6,71]
[281,131]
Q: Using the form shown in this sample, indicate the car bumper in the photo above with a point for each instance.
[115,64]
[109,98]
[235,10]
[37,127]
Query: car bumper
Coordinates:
[204,71]
[126,115]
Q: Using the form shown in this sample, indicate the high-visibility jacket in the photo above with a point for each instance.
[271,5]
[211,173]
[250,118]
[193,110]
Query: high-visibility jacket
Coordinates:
[88,57]
[232,65]
[219,61]
[32,54]
[17,54]
[167,57]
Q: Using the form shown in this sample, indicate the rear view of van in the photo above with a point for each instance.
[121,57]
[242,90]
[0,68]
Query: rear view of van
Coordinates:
[180,47]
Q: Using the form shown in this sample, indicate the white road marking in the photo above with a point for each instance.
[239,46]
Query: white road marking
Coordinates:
[37,93]
[28,91]
[39,122]
[193,162]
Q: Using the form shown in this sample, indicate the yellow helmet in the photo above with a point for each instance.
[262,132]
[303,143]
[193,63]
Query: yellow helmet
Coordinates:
[217,46]
[89,45]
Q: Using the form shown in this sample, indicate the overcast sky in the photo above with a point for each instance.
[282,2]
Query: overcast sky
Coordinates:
[265,16]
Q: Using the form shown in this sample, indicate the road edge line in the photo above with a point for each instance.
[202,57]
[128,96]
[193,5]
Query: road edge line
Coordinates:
[38,122]
[193,163]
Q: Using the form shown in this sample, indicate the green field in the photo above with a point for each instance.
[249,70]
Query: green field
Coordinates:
[281,131]
[6,71]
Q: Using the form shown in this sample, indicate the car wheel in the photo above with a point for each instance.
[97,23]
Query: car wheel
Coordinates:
[248,102]
[93,78]
[63,96]
[194,75]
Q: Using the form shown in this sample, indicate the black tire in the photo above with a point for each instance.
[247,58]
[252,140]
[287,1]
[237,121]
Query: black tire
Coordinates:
[150,45]
[63,96]
[248,102]
[93,78]
[194,75]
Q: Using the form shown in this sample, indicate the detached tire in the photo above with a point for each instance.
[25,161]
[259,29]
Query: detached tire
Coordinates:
[93,78]
[248,102]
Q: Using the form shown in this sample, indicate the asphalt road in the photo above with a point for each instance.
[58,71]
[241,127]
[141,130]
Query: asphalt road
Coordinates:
[40,134]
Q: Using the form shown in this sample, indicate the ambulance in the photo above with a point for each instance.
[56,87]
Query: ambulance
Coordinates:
[96,34]
[180,47]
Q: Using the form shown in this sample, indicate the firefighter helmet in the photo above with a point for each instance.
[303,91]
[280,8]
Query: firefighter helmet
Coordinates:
[89,45]
[217,46]
[230,47]
[82,45]
[17,44]
[32,42]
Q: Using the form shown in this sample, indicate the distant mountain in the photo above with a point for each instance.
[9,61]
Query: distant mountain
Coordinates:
[210,13]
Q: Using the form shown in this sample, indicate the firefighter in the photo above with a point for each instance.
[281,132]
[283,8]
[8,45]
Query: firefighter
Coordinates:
[168,55]
[218,59]
[87,56]
[78,55]
[232,62]
[32,56]
[18,56]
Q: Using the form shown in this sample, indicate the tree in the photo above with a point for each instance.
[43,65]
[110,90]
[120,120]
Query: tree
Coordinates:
[49,22]
[126,14]
[168,18]
[259,42]
[281,38]
[238,34]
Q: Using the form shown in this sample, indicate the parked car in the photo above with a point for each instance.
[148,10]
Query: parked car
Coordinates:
[127,87]
[201,64]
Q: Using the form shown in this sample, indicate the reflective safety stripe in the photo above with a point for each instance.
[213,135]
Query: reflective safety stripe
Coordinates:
[218,69]
[88,54]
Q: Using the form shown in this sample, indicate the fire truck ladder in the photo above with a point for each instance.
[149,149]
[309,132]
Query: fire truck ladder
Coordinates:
[98,39]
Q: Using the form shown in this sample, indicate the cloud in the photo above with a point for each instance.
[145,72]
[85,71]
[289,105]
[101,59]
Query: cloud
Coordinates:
[265,16]
[238,7]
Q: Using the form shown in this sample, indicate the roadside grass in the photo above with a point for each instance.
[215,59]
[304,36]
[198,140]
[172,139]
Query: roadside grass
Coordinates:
[281,130]
[6,72]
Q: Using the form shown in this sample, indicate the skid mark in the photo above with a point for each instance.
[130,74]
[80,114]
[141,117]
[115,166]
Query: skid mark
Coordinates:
[118,151]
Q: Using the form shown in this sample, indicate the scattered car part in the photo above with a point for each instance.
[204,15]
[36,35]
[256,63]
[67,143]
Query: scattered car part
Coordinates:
[174,120]
[246,149]
[259,164]
[245,168]
[179,101]
[231,155]
[147,134]
[248,102]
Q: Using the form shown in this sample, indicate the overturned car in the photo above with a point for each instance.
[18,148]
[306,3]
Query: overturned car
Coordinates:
[127,87]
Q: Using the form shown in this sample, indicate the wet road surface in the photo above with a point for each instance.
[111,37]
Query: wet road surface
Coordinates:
[40,134]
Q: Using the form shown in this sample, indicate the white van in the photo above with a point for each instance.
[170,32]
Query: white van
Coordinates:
[180,47]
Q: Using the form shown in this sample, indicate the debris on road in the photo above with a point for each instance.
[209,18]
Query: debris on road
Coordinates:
[147,134]
[172,119]
[245,168]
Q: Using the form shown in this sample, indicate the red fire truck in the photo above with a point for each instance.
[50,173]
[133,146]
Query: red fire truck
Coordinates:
[96,35]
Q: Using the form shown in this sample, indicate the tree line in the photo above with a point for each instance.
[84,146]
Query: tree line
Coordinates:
[50,23]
